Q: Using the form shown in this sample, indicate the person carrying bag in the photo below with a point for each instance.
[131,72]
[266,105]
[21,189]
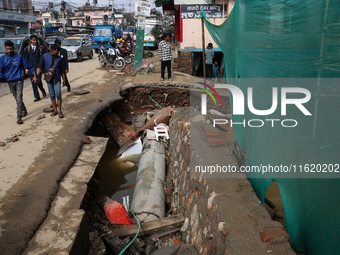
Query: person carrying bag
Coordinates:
[50,72]
[55,69]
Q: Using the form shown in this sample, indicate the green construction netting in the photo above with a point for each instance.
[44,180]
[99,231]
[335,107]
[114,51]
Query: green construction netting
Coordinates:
[139,49]
[273,39]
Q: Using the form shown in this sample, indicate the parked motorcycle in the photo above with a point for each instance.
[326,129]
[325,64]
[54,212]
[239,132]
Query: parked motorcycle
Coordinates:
[125,52]
[110,56]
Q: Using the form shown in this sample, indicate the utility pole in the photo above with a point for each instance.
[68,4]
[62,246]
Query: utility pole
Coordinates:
[113,14]
[204,72]
[63,9]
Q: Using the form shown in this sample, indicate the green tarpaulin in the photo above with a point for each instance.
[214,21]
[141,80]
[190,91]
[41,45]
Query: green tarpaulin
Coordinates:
[139,49]
[267,40]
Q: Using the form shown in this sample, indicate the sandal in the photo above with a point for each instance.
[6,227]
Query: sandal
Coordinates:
[54,113]
[61,115]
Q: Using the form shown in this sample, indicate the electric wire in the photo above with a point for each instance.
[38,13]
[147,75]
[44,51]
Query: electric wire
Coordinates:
[139,227]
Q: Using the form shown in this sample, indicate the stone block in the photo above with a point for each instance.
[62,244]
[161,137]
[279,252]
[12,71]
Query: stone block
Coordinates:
[150,249]
[187,249]
[216,142]
[73,236]
[170,250]
[212,135]
[268,235]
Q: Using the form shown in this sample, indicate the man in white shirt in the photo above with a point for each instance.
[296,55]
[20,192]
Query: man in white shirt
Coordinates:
[165,56]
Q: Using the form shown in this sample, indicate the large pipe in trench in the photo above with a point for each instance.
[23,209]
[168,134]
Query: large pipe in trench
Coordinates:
[148,197]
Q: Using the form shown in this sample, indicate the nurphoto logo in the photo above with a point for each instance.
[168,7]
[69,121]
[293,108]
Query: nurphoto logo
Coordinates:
[239,99]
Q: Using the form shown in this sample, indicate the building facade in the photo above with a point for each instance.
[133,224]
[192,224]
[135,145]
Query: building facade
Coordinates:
[92,16]
[52,19]
[15,16]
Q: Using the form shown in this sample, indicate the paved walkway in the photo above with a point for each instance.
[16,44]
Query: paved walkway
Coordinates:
[32,167]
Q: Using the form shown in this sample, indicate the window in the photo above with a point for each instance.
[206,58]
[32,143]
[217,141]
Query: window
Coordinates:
[102,32]
[71,42]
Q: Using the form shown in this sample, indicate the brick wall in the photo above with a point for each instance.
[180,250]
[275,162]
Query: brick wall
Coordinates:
[222,215]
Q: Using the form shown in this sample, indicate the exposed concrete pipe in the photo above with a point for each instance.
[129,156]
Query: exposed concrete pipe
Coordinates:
[148,197]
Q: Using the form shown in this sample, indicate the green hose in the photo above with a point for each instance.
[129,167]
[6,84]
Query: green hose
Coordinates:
[155,102]
[139,227]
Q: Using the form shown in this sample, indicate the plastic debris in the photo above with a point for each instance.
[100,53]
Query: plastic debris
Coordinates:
[115,212]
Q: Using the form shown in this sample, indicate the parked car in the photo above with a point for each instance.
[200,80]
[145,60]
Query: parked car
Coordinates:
[50,39]
[83,36]
[20,42]
[77,48]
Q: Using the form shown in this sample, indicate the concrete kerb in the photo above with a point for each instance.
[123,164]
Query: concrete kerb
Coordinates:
[70,196]
[82,127]
[68,161]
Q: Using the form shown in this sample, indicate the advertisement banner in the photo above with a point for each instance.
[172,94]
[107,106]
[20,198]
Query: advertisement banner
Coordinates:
[181,2]
[141,22]
[142,8]
[17,17]
[193,11]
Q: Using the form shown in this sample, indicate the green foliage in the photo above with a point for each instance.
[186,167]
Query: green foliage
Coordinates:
[155,31]
[123,26]
[130,19]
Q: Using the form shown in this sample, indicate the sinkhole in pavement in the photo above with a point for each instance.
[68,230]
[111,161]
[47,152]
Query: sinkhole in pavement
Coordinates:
[115,175]
[116,172]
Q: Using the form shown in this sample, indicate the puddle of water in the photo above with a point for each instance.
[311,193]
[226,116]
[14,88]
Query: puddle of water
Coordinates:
[114,172]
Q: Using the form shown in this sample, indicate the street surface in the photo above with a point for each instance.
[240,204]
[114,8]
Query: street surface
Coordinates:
[32,167]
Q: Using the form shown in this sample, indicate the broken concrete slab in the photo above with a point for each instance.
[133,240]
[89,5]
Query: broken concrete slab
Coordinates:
[187,249]
[150,249]
[170,250]
[199,118]
[49,109]
[41,116]
[81,92]
[97,245]
[73,236]
[70,196]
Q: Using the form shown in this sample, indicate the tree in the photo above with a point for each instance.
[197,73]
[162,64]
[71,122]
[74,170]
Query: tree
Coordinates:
[156,31]
[123,26]
[130,19]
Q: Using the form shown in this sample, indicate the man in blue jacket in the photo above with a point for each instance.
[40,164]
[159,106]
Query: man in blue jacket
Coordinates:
[63,55]
[12,64]
[47,61]
[32,54]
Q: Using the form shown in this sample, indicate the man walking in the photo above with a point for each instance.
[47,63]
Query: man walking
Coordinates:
[49,60]
[165,56]
[12,64]
[209,55]
[63,55]
[32,54]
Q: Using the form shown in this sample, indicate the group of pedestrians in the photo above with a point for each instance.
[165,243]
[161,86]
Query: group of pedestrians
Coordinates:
[165,56]
[212,68]
[54,63]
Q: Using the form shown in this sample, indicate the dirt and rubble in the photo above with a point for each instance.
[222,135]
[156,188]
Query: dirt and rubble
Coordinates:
[212,230]
[129,114]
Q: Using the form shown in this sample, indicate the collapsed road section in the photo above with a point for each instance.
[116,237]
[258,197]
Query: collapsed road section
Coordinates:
[141,197]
